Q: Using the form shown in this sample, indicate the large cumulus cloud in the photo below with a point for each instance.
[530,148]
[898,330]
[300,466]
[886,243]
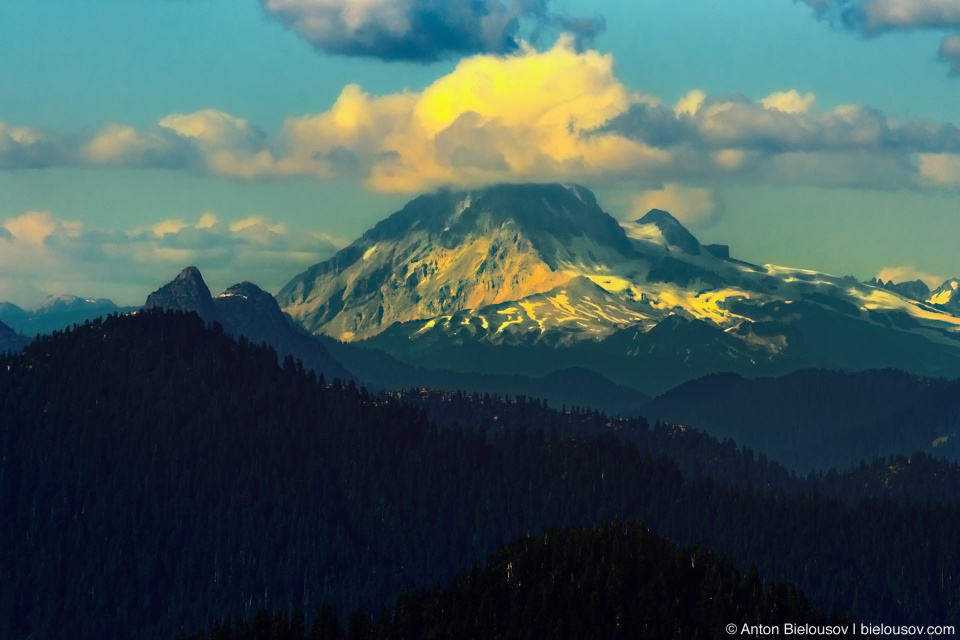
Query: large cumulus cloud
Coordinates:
[560,114]
[422,30]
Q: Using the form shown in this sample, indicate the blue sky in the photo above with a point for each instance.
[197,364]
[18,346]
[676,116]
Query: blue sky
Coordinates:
[252,138]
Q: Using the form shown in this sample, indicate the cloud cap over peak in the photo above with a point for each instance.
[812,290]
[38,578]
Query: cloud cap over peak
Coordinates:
[422,30]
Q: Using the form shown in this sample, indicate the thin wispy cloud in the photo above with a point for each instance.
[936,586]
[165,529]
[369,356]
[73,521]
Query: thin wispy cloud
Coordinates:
[424,30]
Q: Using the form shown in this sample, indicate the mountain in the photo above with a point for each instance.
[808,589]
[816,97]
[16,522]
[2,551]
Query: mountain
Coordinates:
[532,279]
[10,340]
[246,310]
[661,227]
[452,251]
[186,292]
[56,312]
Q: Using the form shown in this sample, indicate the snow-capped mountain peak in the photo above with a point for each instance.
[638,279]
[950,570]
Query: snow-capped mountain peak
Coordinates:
[449,251]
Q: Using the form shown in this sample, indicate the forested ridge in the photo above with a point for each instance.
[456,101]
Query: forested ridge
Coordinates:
[156,475]
[918,477]
[614,581]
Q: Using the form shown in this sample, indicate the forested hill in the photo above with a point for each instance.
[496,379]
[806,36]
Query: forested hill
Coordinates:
[155,474]
[615,581]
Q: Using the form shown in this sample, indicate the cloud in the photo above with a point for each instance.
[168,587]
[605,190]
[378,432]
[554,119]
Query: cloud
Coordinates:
[783,138]
[560,114]
[909,273]
[526,116]
[167,227]
[208,221]
[950,53]
[690,103]
[690,205]
[31,148]
[32,227]
[789,102]
[874,17]
[223,144]
[42,254]
[940,169]
[123,146]
[422,30]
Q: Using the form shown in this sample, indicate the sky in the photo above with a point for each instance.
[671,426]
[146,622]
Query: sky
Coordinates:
[252,138]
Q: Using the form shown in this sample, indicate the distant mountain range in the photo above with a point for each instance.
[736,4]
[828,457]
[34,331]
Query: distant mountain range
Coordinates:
[56,312]
[534,290]
[532,279]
